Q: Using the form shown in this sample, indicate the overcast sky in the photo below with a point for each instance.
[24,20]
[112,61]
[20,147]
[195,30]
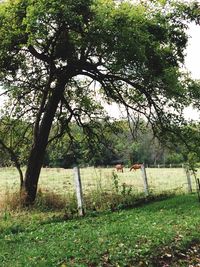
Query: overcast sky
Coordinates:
[192,63]
[192,60]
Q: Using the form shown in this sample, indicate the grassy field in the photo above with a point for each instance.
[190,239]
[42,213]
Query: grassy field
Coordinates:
[61,180]
[164,233]
[121,226]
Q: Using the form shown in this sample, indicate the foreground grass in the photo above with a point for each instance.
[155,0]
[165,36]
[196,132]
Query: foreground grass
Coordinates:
[134,237]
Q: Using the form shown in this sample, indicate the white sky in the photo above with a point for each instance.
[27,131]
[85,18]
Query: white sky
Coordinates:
[192,60]
[192,63]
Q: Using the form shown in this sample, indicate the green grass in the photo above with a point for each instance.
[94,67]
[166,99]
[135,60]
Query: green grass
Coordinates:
[141,236]
[133,237]
[61,181]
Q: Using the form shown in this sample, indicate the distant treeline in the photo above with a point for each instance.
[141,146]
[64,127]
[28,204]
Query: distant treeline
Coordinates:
[119,146]
[105,146]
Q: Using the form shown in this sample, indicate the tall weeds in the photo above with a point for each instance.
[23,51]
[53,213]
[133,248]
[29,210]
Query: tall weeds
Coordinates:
[120,196]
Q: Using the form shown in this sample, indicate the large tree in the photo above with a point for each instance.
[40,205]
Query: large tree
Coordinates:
[59,58]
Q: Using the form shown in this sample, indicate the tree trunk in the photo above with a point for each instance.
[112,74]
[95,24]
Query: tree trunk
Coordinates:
[37,153]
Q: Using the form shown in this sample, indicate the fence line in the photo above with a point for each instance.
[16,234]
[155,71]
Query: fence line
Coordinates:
[61,181]
[171,165]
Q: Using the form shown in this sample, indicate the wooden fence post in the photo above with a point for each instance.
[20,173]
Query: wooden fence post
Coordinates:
[144,176]
[198,188]
[188,179]
[79,193]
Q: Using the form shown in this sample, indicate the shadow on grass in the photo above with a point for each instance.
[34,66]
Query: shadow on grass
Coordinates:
[42,215]
[187,254]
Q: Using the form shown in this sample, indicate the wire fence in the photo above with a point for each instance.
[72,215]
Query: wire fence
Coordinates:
[61,181]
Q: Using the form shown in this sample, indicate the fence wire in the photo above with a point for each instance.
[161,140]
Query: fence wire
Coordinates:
[61,181]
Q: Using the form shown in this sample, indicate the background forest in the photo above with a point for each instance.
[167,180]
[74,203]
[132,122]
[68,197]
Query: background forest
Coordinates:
[120,142]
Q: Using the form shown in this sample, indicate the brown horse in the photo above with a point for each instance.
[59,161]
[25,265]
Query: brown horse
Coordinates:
[135,167]
[119,167]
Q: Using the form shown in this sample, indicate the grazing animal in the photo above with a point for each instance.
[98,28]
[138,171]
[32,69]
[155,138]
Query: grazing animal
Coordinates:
[135,167]
[119,167]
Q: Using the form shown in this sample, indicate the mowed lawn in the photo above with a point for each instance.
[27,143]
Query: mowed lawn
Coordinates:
[61,181]
[162,233]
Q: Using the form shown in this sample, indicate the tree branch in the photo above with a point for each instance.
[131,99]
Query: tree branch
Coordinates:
[14,158]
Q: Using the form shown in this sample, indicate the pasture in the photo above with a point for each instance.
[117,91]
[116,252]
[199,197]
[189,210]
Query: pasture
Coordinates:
[61,181]
[156,233]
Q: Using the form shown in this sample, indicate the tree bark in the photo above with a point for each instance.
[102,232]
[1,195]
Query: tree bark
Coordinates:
[37,153]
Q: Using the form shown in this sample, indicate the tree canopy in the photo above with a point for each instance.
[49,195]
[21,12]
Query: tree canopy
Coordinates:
[60,58]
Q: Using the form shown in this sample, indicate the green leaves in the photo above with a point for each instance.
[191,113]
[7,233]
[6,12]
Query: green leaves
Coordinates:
[132,50]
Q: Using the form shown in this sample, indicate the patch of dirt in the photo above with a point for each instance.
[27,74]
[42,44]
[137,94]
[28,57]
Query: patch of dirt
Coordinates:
[189,257]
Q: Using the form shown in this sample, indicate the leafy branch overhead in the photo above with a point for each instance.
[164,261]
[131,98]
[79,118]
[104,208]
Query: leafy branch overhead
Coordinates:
[133,53]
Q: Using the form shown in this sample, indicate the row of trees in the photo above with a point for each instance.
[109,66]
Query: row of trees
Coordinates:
[113,148]
[60,58]
[119,142]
